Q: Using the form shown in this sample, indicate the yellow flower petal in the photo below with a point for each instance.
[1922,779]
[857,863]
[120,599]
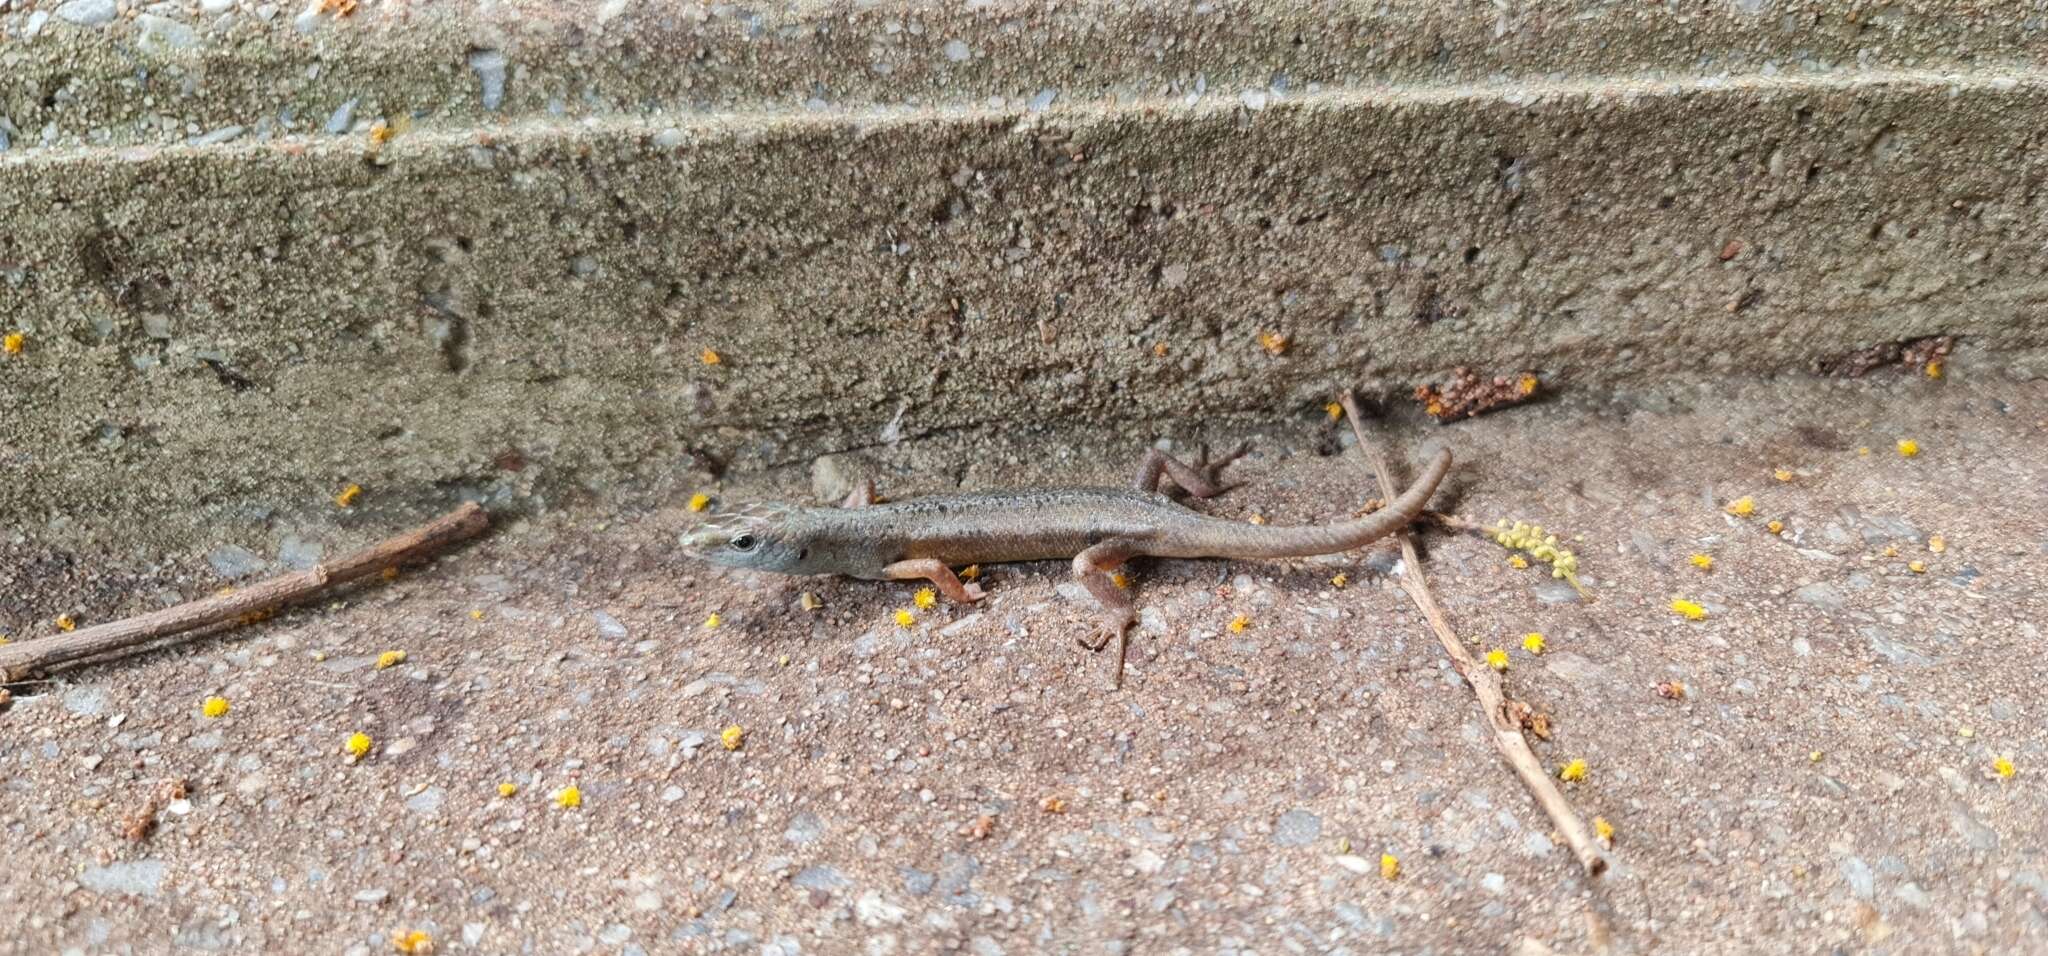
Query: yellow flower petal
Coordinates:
[710,357]
[1518,562]
[1604,829]
[700,501]
[1390,866]
[1937,544]
[347,497]
[414,943]
[569,797]
[1742,507]
[1775,526]
[1689,610]
[711,623]
[1908,447]
[356,745]
[1704,562]
[507,789]
[1334,410]
[1533,643]
[1239,623]
[1917,567]
[1497,659]
[476,614]
[733,736]
[904,618]
[2004,768]
[214,707]
[1340,580]
[1782,475]
[13,343]
[1120,580]
[66,623]
[390,659]
[971,572]
[926,598]
[1576,770]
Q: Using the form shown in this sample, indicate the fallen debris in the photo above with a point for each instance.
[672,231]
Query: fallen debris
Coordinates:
[1500,717]
[1467,394]
[243,605]
[1923,356]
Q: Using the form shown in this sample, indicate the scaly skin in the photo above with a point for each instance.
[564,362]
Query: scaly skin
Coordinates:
[1098,528]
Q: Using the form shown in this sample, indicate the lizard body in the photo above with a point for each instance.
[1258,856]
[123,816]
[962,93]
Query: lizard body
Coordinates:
[1097,528]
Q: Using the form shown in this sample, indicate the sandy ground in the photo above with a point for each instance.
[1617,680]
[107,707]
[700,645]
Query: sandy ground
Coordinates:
[1825,784]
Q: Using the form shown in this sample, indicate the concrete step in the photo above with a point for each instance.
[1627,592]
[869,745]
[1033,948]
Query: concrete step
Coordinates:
[569,208]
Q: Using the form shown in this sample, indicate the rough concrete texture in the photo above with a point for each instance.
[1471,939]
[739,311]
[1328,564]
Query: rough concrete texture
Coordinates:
[1824,785]
[1088,214]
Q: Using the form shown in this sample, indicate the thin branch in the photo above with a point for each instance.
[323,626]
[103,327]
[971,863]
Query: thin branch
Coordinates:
[1507,730]
[20,659]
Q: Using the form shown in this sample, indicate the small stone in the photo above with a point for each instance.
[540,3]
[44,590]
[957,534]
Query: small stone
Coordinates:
[372,897]
[1861,881]
[608,625]
[489,66]
[615,934]
[1297,827]
[804,828]
[426,802]
[1882,642]
[88,13]
[958,51]
[473,933]
[134,878]
[819,878]
[216,7]
[216,137]
[1979,836]
[1494,883]
[297,553]
[29,30]
[85,701]
[234,561]
[917,882]
[1536,844]
[671,794]
[163,33]
[343,118]
[1820,595]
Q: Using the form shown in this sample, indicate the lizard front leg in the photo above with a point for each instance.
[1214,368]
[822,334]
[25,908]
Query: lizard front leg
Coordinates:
[935,571]
[1091,568]
[862,495]
[1203,479]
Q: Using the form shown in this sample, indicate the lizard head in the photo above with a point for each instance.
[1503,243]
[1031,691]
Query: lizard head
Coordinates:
[756,537]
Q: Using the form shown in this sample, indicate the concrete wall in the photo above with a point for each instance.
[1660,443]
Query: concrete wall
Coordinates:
[889,220]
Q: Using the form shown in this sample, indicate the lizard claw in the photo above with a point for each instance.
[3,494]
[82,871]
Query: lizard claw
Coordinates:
[974,592]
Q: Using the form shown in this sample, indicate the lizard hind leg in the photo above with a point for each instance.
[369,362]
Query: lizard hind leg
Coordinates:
[1203,479]
[1091,568]
[941,576]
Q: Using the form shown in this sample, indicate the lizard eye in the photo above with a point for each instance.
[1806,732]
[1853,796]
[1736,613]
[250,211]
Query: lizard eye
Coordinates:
[743,542]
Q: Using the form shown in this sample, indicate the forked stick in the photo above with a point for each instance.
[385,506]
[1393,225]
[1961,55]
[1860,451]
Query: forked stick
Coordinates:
[22,658]
[1507,730]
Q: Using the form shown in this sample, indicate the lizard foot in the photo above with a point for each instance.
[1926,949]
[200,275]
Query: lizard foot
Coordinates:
[1213,470]
[973,591]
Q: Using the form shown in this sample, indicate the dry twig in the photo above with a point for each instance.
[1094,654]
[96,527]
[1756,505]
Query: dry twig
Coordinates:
[20,659]
[1507,730]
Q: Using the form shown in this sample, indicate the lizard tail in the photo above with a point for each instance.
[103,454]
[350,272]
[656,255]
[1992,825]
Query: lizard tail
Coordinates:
[1235,540]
